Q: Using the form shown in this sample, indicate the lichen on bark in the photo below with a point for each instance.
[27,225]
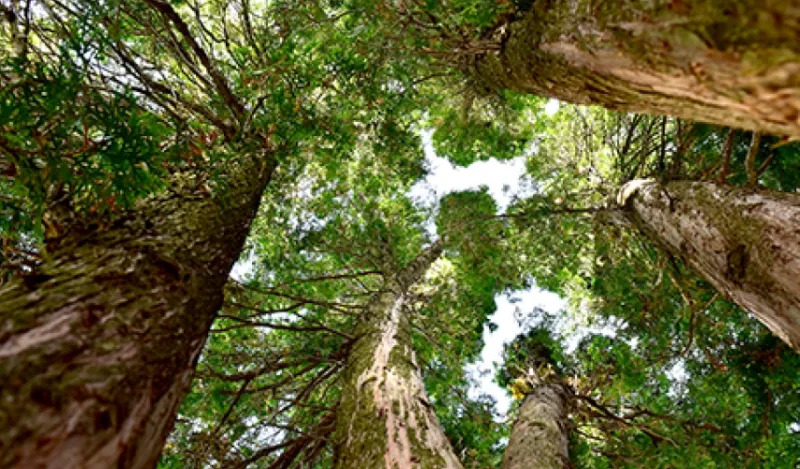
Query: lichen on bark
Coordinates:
[539,437]
[385,420]
[744,241]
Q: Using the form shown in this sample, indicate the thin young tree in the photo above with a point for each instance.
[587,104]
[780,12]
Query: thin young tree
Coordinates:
[575,409]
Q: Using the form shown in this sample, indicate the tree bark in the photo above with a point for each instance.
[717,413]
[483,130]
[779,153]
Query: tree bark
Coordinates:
[384,418]
[728,63]
[98,346]
[745,242]
[540,435]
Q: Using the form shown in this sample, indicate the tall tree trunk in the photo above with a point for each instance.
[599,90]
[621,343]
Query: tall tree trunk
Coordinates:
[745,242]
[731,63]
[97,348]
[540,435]
[384,419]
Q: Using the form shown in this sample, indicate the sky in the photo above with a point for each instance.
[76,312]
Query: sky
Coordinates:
[504,180]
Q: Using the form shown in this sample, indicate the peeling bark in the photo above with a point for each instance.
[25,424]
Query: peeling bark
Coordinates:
[98,347]
[745,242]
[539,437]
[384,418]
[728,63]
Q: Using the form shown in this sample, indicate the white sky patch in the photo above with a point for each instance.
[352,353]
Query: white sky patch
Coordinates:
[679,378]
[243,268]
[552,106]
[504,180]
[509,319]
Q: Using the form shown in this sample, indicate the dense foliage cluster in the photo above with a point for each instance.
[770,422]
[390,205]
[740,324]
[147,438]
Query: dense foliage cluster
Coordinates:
[104,104]
[675,378]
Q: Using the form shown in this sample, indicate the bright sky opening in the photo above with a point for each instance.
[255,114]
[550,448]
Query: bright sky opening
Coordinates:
[504,180]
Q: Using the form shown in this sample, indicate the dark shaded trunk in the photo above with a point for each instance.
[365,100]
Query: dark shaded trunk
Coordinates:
[729,63]
[745,242]
[540,435]
[97,348]
[384,418]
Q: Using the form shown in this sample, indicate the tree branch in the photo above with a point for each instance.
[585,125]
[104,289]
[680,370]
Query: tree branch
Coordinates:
[219,81]
[726,156]
[750,161]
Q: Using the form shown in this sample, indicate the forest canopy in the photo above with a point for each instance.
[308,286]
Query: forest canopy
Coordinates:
[215,253]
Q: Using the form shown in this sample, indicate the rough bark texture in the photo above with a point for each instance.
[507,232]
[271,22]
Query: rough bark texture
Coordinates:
[97,349]
[731,63]
[384,419]
[745,242]
[540,435]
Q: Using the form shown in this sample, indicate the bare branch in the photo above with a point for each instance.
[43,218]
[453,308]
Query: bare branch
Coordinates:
[219,81]
[726,156]
[750,161]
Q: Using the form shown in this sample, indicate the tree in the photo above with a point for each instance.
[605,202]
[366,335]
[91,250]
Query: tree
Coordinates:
[384,414]
[677,349]
[698,60]
[86,322]
[539,437]
[743,241]
[540,434]
[90,381]
[708,225]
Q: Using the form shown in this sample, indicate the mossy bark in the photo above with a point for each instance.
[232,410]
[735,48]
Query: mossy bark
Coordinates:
[729,63]
[98,346]
[745,242]
[384,418]
[540,435]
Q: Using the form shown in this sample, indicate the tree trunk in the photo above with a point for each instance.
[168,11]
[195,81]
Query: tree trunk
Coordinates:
[384,418]
[745,242]
[540,435]
[98,346]
[728,63]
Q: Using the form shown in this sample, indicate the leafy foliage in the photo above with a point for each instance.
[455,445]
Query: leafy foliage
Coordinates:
[667,388]
[103,103]
[268,384]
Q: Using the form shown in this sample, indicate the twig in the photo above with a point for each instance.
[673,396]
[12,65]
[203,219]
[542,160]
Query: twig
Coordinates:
[692,322]
[750,161]
[766,163]
[219,81]
[726,155]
